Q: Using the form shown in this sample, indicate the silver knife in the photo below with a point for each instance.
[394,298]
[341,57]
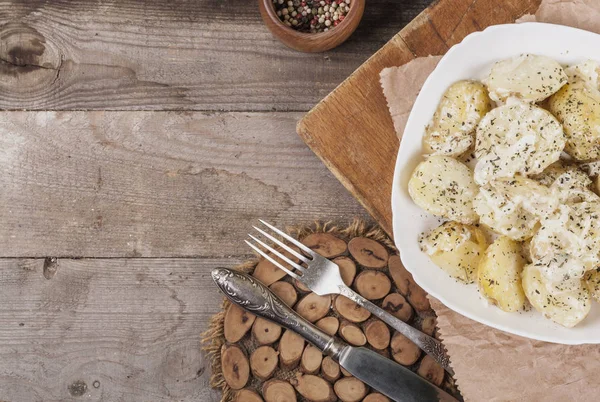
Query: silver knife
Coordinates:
[386,376]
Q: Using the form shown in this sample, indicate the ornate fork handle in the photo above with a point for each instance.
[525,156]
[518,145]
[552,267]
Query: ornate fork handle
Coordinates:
[429,345]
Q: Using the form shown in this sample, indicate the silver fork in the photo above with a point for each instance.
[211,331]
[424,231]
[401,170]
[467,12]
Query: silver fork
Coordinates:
[323,277]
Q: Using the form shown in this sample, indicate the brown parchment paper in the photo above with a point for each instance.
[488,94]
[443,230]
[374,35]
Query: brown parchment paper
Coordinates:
[492,365]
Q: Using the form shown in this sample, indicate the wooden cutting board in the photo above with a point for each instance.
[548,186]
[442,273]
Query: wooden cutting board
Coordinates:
[351,129]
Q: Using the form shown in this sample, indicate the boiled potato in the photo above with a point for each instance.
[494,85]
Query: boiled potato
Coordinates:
[499,274]
[444,187]
[516,139]
[570,184]
[592,280]
[529,77]
[452,130]
[577,107]
[513,207]
[587,72]
[456,248]
[572,230]
[566,308]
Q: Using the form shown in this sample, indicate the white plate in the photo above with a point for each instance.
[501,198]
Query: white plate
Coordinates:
[472,59]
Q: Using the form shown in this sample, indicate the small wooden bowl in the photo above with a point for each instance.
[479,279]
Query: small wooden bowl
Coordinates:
[311,42]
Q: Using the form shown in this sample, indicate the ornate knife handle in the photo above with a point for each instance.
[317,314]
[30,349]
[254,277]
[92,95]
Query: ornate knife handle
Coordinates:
[426,343]
[253,296]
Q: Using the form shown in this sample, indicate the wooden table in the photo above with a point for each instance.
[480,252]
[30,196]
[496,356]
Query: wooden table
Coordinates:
[155,134]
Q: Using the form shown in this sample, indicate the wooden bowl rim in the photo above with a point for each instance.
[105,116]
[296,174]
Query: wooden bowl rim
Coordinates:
[352,14]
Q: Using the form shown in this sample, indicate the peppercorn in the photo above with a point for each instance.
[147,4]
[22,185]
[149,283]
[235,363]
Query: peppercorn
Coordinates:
[312,15]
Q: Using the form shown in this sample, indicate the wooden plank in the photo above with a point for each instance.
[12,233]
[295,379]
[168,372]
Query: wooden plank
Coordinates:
[106,329]
[183,55]
[360,146]
[155,184]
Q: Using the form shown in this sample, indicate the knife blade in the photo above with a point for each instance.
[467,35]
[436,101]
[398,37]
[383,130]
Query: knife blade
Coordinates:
[388,377]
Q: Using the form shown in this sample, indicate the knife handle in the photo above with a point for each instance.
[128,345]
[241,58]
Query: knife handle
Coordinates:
[253,296]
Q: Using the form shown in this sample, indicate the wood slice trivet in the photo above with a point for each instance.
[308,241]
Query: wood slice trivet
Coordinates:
[255,360]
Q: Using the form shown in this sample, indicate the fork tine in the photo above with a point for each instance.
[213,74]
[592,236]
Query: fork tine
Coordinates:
[268,257]
[278,254]
[282,244]
[288,238]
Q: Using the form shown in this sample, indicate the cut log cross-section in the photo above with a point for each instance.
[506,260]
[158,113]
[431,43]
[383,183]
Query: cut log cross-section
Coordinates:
[330,370]
[285,291]
[237,322]
[396,305]
[235,367]
[329,325]
[373,285]
[350,310]
[368,253]
[247,395]
[431,370]
[265,332]
[347,269]
[377,333]
[263,362]
[311,360]
[313,307]
[291,347]
[352,334]
[350,389]
[407,286]
[313,388]
[404,351]
[278,391]
[325,244]
[268,273]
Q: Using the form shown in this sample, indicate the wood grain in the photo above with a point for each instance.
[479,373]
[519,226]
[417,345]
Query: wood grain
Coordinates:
[171,55]
[155,184]
[361,148]
[106,329]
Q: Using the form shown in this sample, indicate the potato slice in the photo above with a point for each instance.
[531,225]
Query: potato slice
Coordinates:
[514,207]
[444,187]
[570,184]
[573,230]
[577,107]
[452,130]
[566,308]
[587,72]
[529,77]
[592,280]
[456,248]
[516,139]
[499,274]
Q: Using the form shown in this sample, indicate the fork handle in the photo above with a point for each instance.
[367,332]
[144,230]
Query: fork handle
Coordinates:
[426,343]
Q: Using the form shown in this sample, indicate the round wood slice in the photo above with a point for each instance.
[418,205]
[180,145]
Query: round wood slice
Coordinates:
[291,347]
[428,325]
[265,332]
[237,323]
[431,370]
[376,397]
[377,333]
[396,305]
[235,367]
[329,325]
[278,391]
[347,269]
[263,362]
[373,285]
[352,334]
[404,351]
[313,388]
[350,310]
[407,286]
[325,244]
[313,307]
[330,370]
[350,389]
[267,272]
[368,253]
[300,286]
[247,395]
[285,291]
[311,360]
